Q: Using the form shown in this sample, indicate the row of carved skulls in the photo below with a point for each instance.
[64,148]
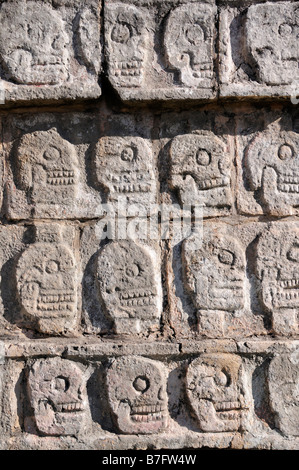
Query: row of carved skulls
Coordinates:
[40,54]
[136,394]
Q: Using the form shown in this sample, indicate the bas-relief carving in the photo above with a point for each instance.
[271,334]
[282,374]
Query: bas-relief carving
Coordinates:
[277,258]
[201,170]
[57,394]
[271,167]
[129,286]
[215,392]
[46,275]
[33,43]
[124,166]
[137,395]
[284,392]
[47,168]
[188,43]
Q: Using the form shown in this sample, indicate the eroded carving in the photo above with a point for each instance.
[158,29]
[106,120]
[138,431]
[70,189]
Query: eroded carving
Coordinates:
[188,43]
[124,165]
[47,168]
[58,397]
[137,395]
[129,286]
[37,53]
[271,166]
[215,393]
[200,169]
[277,270]
[271,32]
[47,282]
[89,39]
[284,392]
[126,39]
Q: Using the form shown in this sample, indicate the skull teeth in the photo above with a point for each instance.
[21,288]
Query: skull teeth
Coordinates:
[127,69]
[227,406]
[144,409]
[60,177]
[69,407]
[132,188]
[213,183]
[289,283]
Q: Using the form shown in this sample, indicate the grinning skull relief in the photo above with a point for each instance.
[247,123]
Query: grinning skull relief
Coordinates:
[188,42]
[137,395]
[58,396]
[37,54]
[215,272]
[284,392]
[126,44]
[271,33]
[47,168]
[124,167]
[200,167]
[128,285]
[271,164]
[215,392]
[46,282]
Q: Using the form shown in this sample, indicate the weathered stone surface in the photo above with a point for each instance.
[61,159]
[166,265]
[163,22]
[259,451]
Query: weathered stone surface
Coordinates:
[180,66]
[43,56]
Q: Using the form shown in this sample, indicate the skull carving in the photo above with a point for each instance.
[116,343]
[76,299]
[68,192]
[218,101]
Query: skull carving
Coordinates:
[277,270]
[38,53]
[129,286]
[200,168]
[215,273]
[215,392]
[284,392]
[271,164]
[57,394]
[124,167]
[46,281]
[126,44]
[188,43]
[271,32]
[47,168]
[137,395]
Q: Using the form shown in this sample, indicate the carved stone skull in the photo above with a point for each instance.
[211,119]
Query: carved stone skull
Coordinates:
[137,395]
[126,44]
[46,281]
[124,166]
[129,285]
[215,273]
[57,394]
[284,392]
[188,43]
[271,165]
[37,54]
[205,160]
[47,168]
[215,392]
[271,33]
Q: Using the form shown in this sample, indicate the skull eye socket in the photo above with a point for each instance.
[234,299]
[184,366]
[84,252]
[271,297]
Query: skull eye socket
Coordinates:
[128,154]
[203,158]
[52,153]
[121,33]
[222,378]
[141,384]
[132,270]
[285,30]
[62,384]
[194,34]
[52,266]
[285,152]
[293,254]
[226,257]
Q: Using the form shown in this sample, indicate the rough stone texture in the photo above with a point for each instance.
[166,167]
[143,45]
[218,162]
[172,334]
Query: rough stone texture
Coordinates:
[119,330]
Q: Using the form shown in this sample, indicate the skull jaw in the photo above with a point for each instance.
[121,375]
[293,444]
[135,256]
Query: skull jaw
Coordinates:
[276,202]
[210,420]
[149,423]
[54,423]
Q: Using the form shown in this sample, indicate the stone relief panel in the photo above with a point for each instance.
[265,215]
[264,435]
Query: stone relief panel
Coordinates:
[47,281]
[215,392]
[258,50]
[58,396]
[183,64]
[40,62]
[284,392]
[277,257]
[130,286]
[125,168]
[137,395]
[201,170]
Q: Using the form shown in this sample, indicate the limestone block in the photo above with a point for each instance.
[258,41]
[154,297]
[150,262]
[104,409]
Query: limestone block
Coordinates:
[50,50]
[258,49]
[160,50]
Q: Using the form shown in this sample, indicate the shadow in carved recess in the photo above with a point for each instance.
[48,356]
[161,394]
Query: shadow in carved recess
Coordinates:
[260,393]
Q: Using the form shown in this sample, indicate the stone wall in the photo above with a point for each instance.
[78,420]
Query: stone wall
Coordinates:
[117,116]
